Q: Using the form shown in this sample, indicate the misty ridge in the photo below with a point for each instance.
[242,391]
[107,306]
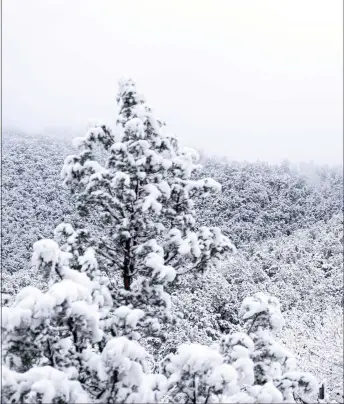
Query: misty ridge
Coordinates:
[172,202]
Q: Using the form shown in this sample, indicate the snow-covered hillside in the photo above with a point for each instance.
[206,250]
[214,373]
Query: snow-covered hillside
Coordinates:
[288,231]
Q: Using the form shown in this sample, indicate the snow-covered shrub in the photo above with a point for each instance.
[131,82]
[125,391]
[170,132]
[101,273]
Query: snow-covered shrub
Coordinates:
[317,341]
[197,372]
[42,384]
[247,367]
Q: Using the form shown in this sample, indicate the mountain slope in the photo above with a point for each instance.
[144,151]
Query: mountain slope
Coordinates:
[288,230]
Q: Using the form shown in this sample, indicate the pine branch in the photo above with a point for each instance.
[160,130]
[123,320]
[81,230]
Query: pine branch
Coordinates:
[208,395]
[253,322]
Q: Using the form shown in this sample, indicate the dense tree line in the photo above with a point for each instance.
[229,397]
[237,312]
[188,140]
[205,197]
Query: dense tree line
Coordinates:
[258,201]
[33,200]
[261,201]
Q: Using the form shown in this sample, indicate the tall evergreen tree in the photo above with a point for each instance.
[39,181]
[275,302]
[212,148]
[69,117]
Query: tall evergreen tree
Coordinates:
[143,192]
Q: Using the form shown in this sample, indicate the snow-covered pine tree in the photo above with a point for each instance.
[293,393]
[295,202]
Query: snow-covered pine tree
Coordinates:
[143,192]
[273,363]
[64,345]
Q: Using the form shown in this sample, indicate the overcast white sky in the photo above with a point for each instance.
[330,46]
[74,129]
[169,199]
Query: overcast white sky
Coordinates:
[246,79]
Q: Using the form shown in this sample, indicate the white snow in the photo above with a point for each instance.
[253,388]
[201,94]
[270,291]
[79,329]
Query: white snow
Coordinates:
[224,376]
[47,251]
[260,303]
[194,358]
[46,380]
[90,314]
[165,188]
[69,290]
[119,349]
[156,262]
[64,228]
[151,200]
[122,177]
[95,167]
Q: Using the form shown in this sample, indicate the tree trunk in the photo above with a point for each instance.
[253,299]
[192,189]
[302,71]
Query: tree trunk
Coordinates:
[322,392]
[126,282]
[126,266]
